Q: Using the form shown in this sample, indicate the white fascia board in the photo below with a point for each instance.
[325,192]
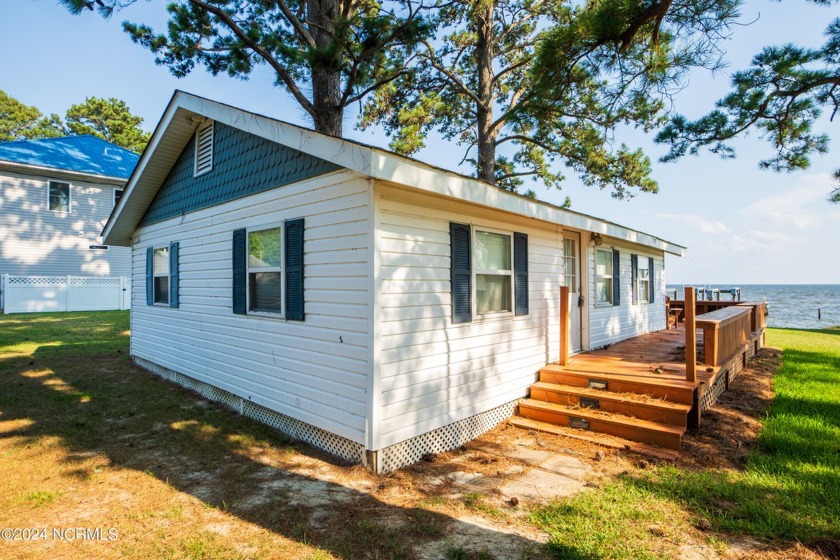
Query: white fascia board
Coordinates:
[396,169]
[356,157]
[140,189]
[366,160]
[29,169]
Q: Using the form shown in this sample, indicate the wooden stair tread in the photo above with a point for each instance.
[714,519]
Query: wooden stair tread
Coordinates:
[594,437]
[653,379]
[644,425]
[607,395]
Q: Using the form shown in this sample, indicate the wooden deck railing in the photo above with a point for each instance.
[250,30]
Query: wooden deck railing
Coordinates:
[724,332]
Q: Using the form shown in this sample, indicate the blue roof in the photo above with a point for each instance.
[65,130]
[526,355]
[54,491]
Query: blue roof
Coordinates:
[81,154]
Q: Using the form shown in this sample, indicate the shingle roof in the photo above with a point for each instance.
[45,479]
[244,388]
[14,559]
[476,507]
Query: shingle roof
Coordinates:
[81,154]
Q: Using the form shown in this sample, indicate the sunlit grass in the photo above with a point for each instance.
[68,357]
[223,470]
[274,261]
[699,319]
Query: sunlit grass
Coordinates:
[789,489]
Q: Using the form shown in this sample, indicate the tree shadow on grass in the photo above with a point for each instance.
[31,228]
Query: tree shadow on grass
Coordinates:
[96,402]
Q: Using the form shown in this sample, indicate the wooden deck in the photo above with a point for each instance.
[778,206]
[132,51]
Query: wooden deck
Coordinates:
[637,389]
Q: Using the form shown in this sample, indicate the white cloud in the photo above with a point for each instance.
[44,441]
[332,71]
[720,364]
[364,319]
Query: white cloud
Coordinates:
[803,205]
[704,225]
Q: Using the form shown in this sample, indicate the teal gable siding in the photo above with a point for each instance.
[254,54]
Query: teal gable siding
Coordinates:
[243,164]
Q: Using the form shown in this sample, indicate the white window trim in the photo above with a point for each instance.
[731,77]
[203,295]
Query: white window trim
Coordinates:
[156,275]
[646,299]
[476,272]
[281,269]
[610,276]
[115,194]
[203,126]
[69,197]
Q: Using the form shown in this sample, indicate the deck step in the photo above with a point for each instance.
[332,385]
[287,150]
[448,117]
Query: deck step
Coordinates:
[627,404]
[676,391]
[600,439]
[634,429]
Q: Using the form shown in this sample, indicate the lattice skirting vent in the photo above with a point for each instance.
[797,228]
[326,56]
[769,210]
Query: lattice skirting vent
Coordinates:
[725,378]
[317,437]
[442,439]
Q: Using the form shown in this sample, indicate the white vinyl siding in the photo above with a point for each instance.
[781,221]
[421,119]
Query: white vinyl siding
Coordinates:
[316,370]
[611,324]
[434,373]
[37,242]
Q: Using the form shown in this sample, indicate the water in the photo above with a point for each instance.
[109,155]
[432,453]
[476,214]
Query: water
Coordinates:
[790,305]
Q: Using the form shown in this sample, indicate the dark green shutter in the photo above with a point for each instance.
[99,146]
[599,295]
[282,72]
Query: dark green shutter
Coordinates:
[294,270]
[616,278]
[174,275]
[240,280]
[460,272]
[520,273]
[634,277]
[652,280]
[150,276]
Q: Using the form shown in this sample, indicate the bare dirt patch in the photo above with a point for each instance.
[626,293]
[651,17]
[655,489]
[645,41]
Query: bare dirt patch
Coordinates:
[729,429]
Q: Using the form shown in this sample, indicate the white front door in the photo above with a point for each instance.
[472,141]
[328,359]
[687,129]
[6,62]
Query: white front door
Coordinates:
[571,278]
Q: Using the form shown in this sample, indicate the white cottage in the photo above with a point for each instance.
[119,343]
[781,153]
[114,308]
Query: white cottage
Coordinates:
[372,305]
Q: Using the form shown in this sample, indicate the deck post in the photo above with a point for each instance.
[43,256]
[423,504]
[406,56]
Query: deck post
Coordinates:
[690,336]
[564,325]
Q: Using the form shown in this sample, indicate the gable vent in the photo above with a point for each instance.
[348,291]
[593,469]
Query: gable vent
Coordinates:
[204,149]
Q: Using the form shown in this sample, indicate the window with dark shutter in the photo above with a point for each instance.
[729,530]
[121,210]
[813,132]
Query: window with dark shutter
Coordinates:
[634,278]
[460,272]
[174,275]
[616,284]
[239,265]
[294,270]
[520,273]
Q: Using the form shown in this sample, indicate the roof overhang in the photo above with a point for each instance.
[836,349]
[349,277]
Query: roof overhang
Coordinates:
[29,169]
[186,111]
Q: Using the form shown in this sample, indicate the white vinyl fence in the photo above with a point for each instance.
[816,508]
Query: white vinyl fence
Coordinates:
[34,294]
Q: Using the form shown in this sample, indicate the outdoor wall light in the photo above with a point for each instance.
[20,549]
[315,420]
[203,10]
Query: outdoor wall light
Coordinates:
[596,239]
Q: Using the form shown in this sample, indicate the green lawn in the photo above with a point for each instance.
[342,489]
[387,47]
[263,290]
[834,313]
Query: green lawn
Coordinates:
[789,489]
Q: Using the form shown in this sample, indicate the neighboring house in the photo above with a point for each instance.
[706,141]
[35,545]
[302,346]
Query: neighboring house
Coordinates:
[55,196]
[373,305]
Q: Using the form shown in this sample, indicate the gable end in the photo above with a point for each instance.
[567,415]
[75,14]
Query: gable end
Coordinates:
[244,164]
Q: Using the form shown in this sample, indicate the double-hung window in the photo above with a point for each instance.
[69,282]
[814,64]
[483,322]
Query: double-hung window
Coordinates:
[268,271]
[603,277]
[265,270]
[643,284]
[493,272]
[161,275]
[488,272]
[59,196]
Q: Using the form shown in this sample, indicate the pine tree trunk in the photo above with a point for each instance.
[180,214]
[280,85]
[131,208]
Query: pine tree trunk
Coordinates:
[486,137]
[326,75]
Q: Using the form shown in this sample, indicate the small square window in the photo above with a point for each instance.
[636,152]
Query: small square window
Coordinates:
[59,196]
[265,270]
[161,275]
[118,195]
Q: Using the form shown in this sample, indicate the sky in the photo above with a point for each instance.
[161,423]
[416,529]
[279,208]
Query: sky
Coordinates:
[741,225]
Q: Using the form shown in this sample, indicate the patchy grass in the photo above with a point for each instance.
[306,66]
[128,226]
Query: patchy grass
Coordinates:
[618,520]
[89,441]
[787,490]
